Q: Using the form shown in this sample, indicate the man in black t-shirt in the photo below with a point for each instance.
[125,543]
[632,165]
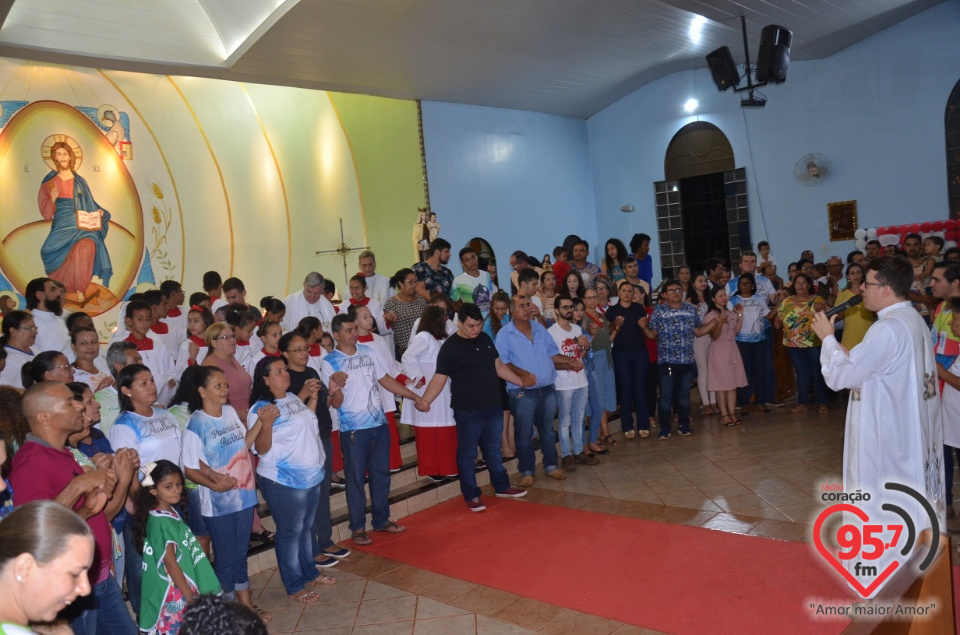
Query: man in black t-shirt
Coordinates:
[470,360]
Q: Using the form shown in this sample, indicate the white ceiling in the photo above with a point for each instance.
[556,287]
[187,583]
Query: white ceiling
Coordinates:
[565,57]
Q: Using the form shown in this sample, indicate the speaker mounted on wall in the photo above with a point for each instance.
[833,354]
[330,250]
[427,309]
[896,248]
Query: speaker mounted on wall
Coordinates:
[723,69]
[774,56]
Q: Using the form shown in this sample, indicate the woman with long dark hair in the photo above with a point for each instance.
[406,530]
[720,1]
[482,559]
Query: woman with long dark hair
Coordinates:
[725,367]
[289,472]
[46,366]
[615,252]
[701,346]
[436,435]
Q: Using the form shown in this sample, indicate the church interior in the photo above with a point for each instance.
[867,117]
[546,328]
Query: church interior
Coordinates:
[265,139]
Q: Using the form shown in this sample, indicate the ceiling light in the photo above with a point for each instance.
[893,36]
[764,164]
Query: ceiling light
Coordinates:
[696,26]
[690,105]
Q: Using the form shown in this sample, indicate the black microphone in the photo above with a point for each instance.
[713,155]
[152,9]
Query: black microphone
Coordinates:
[843,306]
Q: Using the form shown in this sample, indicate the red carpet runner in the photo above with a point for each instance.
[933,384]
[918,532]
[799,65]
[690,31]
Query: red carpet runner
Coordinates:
[672,578]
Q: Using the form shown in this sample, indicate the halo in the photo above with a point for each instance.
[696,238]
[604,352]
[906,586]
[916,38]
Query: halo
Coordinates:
[104,108]
[70,141]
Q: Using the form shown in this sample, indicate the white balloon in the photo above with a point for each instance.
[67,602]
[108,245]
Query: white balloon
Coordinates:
[950,244]
[860,233]
[872,233]
[861,244]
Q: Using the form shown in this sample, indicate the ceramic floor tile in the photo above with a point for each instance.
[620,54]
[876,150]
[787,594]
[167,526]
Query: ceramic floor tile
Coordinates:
[427,608]
[320,616]
[453,625]
[386,610]
[489,626]
[576,623]
[394,628]
[484,600]
[529,614]
[378,591]
[285,619]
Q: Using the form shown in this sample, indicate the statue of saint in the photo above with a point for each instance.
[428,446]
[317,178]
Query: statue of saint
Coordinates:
[421,235]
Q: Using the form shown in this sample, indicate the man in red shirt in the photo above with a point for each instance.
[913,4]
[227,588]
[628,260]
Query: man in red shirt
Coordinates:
[44,469]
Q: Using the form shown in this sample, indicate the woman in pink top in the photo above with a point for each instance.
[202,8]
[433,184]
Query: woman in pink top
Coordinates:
[222,348]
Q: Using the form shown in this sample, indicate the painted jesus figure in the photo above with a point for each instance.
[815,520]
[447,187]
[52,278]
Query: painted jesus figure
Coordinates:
[71,254]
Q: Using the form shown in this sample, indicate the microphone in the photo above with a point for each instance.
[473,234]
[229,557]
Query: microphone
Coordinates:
[843,306]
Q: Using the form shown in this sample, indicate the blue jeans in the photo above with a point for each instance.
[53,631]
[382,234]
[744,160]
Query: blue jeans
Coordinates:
[675,383]
[806,362]
[103,611]
[367,452]
[948,453]
[133,567]
[769,375]
[754,359]
[195,521]
[231,539]
[571,404]
[630,368]
[484,428]
[322,534]
[536,406]
[293,511]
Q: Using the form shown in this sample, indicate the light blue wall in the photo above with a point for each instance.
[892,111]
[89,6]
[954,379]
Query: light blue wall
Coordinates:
[520,180]
[876,109]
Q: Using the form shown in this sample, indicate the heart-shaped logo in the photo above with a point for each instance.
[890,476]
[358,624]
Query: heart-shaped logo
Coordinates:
[833,558]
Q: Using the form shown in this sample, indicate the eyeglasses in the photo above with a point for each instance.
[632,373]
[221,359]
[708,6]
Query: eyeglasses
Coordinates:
[28,328]
[673,291]
[227,337]
[874,284]
[60,367]
[299,350]
[565,306]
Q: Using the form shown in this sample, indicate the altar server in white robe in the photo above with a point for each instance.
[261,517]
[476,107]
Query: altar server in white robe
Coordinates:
[436,436]
[308,302]
[894,431]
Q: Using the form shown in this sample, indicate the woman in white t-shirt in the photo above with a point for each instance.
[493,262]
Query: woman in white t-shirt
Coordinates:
[289,472]
[215,436]
[85,343]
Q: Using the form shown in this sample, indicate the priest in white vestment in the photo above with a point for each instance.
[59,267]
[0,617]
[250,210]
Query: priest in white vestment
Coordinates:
[894,431]
[309,301]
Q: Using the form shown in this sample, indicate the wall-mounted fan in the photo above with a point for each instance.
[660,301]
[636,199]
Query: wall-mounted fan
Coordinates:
[812,169]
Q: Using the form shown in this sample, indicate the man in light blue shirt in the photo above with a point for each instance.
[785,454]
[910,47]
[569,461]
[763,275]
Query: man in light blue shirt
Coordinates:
[527,348]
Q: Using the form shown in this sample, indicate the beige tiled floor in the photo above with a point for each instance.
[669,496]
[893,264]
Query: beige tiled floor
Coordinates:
[761,478]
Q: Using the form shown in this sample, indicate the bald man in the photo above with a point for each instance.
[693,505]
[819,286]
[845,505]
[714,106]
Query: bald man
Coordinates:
[44,469]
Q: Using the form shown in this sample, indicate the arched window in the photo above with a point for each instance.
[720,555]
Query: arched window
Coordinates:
[951,121]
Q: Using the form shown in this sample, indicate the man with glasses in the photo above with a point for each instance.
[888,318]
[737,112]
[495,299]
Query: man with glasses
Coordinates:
[894,431]
[674,324]
[571,385]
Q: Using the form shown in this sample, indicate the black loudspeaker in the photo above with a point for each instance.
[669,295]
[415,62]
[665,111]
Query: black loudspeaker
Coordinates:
[723,68]
[774,56]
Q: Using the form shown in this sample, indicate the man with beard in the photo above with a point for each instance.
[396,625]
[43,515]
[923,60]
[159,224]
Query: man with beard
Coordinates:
[74,250]
[45,302]
[431,274]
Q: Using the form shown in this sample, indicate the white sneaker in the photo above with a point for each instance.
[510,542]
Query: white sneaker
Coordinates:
[644,434]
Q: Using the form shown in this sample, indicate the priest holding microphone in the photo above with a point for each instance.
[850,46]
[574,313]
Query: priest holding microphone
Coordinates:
[894,431]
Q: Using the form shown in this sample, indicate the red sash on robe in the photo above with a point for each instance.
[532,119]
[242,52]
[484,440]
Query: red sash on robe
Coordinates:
[160,328]
[146,344]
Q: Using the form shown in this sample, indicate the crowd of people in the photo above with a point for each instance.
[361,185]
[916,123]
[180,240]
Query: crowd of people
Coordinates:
[161,443]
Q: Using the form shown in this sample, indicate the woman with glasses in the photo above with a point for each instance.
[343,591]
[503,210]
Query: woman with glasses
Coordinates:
[47,366]
[19,336]
[221,349]
[856,320]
